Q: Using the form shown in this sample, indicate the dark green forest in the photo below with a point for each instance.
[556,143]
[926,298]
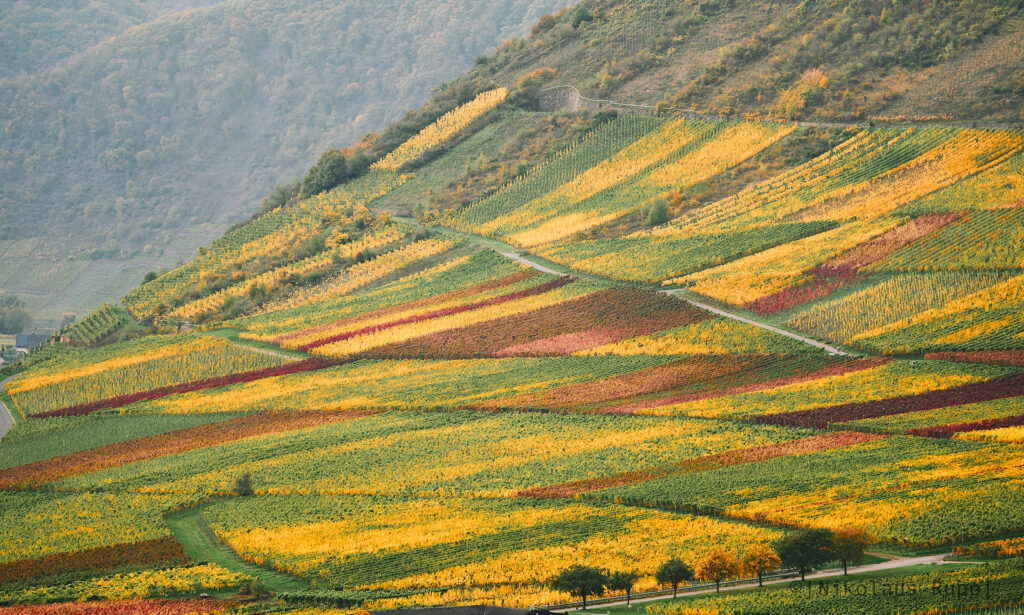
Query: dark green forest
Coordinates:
[137,131]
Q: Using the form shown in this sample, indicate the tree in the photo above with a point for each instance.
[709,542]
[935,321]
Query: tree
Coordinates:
[657,213]
[149,277]
[760,559]
[14,318]
[623,581]
[848,545]
[805,549]
[579,15]
[328,172]
[717,565]
[673,572]
[243,485]
[580,580]
[281,196]
[545,23]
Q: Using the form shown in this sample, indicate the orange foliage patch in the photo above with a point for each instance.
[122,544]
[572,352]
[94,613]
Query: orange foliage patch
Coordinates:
[462,293]
[161,550]
[881,247]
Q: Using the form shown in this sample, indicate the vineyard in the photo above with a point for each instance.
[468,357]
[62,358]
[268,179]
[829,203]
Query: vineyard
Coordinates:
[369,390]
[96,326]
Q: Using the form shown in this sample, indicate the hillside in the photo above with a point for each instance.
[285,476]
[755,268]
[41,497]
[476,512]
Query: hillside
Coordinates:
[817,60]
[39,35]
[512,334]
[134,132]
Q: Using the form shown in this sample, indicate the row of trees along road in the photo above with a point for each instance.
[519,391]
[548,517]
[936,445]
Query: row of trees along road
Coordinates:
[803,551]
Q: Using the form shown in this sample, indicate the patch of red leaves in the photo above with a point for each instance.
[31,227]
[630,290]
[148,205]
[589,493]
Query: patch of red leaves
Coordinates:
[993,357]
[458,309]
[161,550]
[306,365]
[602,317]
[454,295]
[684,373]
[826,372]
[818,286]
[141,607]
[948,431]
[844,270]
[999,388]
[172,443]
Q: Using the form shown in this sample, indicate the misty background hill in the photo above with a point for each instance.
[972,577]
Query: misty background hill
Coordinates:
[133,132]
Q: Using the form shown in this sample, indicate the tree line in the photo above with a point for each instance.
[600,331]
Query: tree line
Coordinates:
[802,551]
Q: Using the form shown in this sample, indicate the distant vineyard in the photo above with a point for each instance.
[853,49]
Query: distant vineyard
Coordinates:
[284,249]
[95,326]
[446,127]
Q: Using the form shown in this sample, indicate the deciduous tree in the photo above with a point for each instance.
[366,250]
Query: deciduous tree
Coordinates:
[760,559]
[582,581]
[716,566]
[622,581]
[848,545]
[673,572]
[805,549]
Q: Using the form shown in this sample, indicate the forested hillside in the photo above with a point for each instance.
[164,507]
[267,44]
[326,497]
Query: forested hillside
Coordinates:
[41,33]
[132,133]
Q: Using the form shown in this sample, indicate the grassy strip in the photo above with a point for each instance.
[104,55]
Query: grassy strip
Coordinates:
[232,336]
[202,545]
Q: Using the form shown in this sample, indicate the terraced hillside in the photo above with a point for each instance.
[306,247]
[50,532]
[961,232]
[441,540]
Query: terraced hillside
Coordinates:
[478,363]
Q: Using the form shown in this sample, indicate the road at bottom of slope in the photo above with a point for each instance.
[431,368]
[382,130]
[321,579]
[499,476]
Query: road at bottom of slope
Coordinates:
[892,564]
[6,416]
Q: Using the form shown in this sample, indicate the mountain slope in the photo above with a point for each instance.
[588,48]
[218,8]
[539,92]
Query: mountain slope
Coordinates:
[143,147]
[384,399]
[37,35]
[789,59]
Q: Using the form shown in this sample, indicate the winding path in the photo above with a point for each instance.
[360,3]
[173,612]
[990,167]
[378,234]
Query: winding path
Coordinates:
[521,259]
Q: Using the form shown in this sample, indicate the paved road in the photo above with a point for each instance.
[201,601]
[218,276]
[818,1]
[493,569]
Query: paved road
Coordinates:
[806,340]
[6,419]
[899,562]
[529,263]
[831,349]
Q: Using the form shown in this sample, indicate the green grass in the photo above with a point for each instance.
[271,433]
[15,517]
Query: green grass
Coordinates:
[201,545]
[232,335]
